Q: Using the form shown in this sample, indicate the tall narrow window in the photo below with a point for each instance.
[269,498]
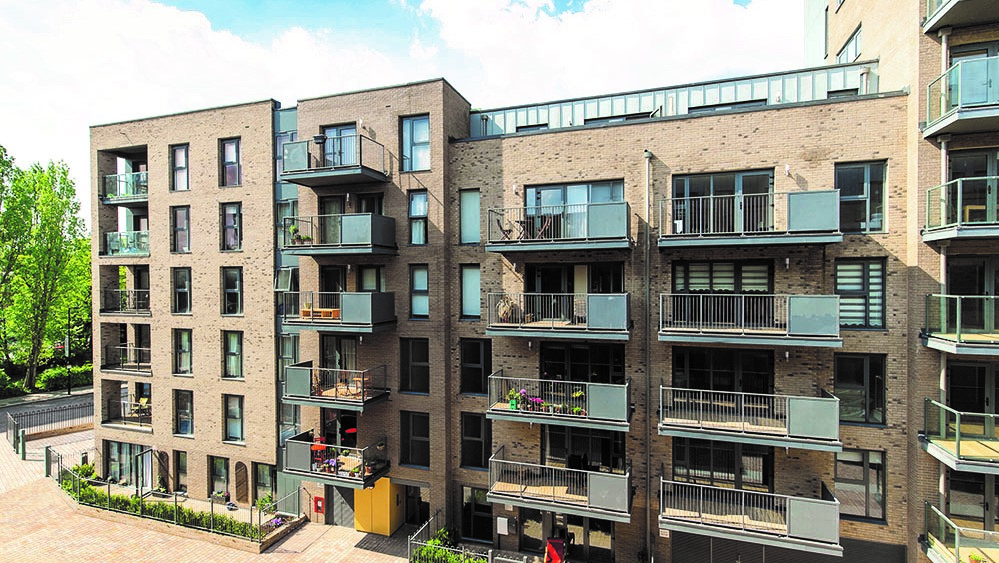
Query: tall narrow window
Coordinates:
[476,440]
[860,386]
[419,290]
[415,438]
[182,290]
[860,285]
[851,49]
[470,229]
[232,291]
[416,143]
[279,141]
[418,217]
[414,365]
[233,418]
[287,211]
[230,173]
[471,300]
[264,477]
[232,349]
[180,180]
[861,197]
[860,483]
[179,471]
[476,515]
[476,364]
[180,229]
[183,405]
[218,478]
[182,351]
[287,353]
[232,226]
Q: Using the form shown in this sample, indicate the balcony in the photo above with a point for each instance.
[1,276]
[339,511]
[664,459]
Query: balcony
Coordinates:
[757,319]
[750,219]
[125,301]
[127,190]
[358,160]
[355,468]
[127,243]
[810,423]
[962,209]
[581,226]
[944,541]
[597,316]
[127,358]
[565,403]
[965,99]
[343,389]
[803,524]
[351,233]
[566,491]
[131,415]
[360,312]
[959,13]
[962,324]
[963,441]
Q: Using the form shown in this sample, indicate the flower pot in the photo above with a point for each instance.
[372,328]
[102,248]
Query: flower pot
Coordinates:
[513,404]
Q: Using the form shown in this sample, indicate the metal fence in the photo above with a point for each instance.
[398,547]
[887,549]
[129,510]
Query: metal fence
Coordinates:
[125,300]
[419,550]
[126,357]
[745,312]
[44,420]
[741,412]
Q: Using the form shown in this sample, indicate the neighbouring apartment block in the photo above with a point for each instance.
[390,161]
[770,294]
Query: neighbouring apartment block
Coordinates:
[750,319]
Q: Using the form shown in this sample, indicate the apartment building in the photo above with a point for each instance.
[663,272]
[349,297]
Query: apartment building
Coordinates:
[742,320]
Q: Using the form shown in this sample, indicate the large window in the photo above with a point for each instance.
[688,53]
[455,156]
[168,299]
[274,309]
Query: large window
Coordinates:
[471,298]
[232,291]
[590,363]
[287,352]
[476,515]
[419,292]
[851,49]
[476,365]
[218,476]
[418,217]
[416,143]
[229,159]
[232,354]
[414,365]
[180,229]
[476,440]
[726,202]
[233,417]
[183,408]
[469,224]
[861,197]
[182,351]
[860,483]
[180,178]
[179,471]
[264,480]
[415,438]
[231,226]
[722,277]
[860,386]
[719,369]
[860,285]
[583,448]
[723,464]
[182,290]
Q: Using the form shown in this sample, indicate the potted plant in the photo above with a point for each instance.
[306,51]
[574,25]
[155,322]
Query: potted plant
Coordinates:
[295,237]
[976,558]
[514,398]
[369,467]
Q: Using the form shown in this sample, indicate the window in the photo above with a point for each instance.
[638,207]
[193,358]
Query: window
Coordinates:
[469,227]
[264,478]
[415,439]
[233,417]
[182,351]
[291,422]
[590,363]
[476,515]
[476,365]
[476,440]
[232,226]
[279,141]
[861,197]
[287,210]
[851,49]
[183,408]
[419,291]
[723,464]
[180,178]
[418,217]
[287,352]
[218,474]
[860,483]
[414,364]
[860,285]
[232,351]
[180,229]
[583,448]
[722,277]
[124,461]
[232,291]
[729,370]
[723,203]
[182,290]
[370,278]
[860,386]
[416,143]
[229,158]
[286,279]
[179,471]
[471,300]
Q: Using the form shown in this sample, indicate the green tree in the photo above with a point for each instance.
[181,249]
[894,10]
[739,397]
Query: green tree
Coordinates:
[16,208]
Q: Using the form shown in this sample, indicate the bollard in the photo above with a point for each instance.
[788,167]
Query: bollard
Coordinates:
[48,461]
[24,445]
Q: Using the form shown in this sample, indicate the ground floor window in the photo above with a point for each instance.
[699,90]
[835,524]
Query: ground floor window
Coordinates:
[219,474]
[180,472]
[586,539]
[476,515]
[124,464]
[263,480]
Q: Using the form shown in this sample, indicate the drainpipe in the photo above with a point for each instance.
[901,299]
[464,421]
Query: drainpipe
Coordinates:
[944,35]
[647,154]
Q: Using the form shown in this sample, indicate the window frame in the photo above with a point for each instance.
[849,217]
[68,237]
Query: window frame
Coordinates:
[287,341]
[214,462]
[866,293]
[853,42]
[176,168]
[407,366]
[409,442]
[177,412]
[237,291]
[483,439]
[475,513]
[180,471]
[228,401]
[469,213]
[235,354]
[179,289]
[467,313]
[410,144]
[483,367]
[866,482]
[271,472]
[224,165]
[871,410]
[415,292]
[418,219]
[179,352]
[867,167]
[178,232]
[236,227]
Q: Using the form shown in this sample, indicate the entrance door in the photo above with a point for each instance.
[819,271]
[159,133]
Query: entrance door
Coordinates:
[979,75]
[978,201]
[330,210]
[972,500]
[341,145]
[417,508]
[339,506]
[975,279]
[971,388]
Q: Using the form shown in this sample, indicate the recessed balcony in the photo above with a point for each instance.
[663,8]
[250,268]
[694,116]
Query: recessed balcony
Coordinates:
[307,456]
[343,389]
[944,541]
[352,159]
[597,316]
[804,524]
[126,244]
[810,423]
[965,99]
[126,190]
[125,302]
[560,489]
[756,319]
[579,226]
[963,441]
[962,324]
[348,233]
[133,415]
[962,209]
[959,13]
[127,358]
[565,403]
[810,217]
[358,312]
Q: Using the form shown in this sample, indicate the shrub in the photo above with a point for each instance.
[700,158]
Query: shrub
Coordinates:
[54,378]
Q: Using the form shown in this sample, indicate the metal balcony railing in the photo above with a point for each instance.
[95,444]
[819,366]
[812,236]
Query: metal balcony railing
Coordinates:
[338,231]
[346,151]
[812,315]
[966,436]
[965,319]
[127,243]
[125,301]
[307,454]
[337,308]
[556,399]
[969,83]
[955,543]
[335,385]
[126,187]
[559,311]
[579,222]
[126,357]
[964,202]
[750,214]
[120,411]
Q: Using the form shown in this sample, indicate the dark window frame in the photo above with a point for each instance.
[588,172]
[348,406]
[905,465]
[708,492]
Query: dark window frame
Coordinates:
[408,368]
[406,129]
[867,481]
[415,292]
[875,204]
[476,521]
[415,449]
[227,166]
[235,227]
[229,418]
[177,412]
[482,440]
[483,368]
[215,462]
[179,290]
[179,352]
[236,291]
[417,218]
[180,232]
[866,293]
[234,354]
[875,408]
[176,168]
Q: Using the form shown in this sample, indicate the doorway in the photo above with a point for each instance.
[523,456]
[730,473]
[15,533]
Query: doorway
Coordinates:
[331,208]
[972,500]
[974,278]
[977,82]
[341,145]
[978,188]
